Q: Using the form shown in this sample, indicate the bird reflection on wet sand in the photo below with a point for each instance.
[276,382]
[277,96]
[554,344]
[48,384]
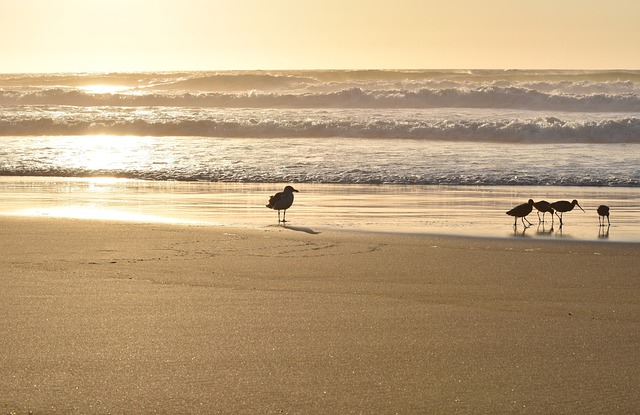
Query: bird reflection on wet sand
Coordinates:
[603,232]
[542,230]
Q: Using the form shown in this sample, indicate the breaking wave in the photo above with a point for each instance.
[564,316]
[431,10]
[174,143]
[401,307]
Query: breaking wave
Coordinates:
[586,91]
[428,125]
[404,127]
[501,97]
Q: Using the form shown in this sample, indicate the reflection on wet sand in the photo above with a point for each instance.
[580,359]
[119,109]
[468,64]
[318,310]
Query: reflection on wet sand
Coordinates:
[603,232]
[448,210]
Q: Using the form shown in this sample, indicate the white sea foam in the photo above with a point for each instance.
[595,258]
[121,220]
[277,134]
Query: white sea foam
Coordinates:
[584,106]
[189,114]
[524,97]
[432,124]
[328,160]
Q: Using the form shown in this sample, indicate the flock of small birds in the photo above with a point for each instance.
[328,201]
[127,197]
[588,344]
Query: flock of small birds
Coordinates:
[283,201]
[561,206]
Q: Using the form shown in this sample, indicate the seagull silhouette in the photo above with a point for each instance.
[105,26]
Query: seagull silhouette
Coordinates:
[282,201]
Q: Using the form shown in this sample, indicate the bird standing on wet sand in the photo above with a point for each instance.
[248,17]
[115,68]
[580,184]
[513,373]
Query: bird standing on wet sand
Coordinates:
[564,206]
[521,211]
[603,210]
[282,201]
[544,207]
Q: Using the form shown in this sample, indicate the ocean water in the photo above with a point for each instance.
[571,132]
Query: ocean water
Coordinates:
[568,128]
[484,128]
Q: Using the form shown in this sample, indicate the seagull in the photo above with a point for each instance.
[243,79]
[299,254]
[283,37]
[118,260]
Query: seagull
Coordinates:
[282,201]
[544,207]
[521,211]
[603,210]
[564,206]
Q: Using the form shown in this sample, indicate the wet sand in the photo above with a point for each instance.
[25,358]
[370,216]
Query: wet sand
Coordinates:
[477,211]
[130,317]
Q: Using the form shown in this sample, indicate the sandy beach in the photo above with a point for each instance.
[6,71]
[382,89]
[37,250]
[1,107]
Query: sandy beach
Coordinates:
[135,318]
[143,269]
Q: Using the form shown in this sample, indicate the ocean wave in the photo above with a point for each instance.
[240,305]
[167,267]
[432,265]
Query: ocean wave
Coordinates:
[235,82]
[509,97]
[320,124]
[317,174]
[324,76]
[371,126]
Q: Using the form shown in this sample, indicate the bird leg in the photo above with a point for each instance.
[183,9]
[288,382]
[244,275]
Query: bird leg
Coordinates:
[559,217]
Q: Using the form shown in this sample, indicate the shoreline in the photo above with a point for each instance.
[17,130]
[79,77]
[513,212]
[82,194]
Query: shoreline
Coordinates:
[413,209]
[121,317]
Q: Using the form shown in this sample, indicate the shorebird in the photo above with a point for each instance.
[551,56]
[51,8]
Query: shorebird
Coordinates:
[282,201]
[603,210]
[564,206]
[521,211]
[544,207]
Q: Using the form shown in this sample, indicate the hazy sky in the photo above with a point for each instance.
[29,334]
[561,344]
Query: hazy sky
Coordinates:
[136,35]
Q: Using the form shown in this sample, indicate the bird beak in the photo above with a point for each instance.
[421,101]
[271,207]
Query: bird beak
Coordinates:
[299,192]
[580,207]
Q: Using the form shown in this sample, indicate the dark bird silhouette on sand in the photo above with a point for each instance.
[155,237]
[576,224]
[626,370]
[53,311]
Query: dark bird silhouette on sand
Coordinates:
[282,201]
[564,206]
[521,211]
[603,210]
[544,207]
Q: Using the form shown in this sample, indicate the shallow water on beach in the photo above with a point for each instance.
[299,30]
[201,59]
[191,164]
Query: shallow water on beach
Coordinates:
[449,210]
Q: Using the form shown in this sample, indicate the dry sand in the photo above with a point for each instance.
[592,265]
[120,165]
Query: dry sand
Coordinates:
[129,318]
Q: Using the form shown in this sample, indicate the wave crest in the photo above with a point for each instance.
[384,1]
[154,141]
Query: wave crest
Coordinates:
[498,97]
[301,124]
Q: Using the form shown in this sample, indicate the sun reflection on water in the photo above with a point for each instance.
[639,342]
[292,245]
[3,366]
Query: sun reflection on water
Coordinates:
[105,152]
[97,213]
[104,89]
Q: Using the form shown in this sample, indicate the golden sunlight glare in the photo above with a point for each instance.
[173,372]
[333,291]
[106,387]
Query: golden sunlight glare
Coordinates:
[107,152]
[104,89]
